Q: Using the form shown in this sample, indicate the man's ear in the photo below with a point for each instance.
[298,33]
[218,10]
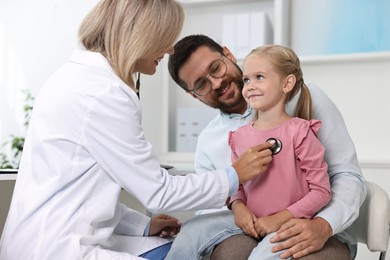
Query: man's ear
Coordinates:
[229,54]
[290,83]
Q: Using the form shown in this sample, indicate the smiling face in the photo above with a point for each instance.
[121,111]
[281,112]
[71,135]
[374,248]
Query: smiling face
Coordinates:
[148,66]
[264,89]
[225,92]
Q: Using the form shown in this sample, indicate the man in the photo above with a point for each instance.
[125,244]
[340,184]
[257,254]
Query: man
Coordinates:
[193,65]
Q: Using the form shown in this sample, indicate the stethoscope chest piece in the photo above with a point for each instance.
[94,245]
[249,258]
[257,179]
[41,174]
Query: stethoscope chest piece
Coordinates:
[276,147]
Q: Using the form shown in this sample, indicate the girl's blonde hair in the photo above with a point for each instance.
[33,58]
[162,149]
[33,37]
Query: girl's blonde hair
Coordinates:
[286,62]
[125,31]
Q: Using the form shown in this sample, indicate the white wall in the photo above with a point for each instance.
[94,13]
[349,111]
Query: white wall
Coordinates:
[36,37]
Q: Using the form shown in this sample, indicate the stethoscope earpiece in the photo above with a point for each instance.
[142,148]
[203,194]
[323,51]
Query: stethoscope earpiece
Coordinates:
[276,147]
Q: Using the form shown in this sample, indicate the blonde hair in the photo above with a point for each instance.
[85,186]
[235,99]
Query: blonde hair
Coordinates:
[286,62]
[125,31]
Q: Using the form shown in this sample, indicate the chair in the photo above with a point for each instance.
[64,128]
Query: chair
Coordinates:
[372,225]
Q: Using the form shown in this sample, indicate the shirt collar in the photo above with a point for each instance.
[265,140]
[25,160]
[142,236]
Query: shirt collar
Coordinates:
[246,114]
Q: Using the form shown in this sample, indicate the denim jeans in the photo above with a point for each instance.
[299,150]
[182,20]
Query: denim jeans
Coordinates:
[199,235]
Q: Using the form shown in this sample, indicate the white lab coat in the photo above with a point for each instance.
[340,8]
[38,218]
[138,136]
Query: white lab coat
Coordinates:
[84,143]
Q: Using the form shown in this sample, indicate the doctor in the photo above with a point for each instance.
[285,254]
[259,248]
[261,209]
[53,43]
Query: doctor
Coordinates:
[85,142]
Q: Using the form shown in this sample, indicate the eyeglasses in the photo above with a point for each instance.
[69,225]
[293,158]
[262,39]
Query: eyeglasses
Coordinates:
[217,70]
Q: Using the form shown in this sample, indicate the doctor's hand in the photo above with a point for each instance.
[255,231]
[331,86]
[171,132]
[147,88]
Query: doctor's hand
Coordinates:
[164,226]
[253,162]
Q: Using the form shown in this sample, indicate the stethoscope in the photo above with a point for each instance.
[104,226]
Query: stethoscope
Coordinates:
[138,83]
[276,147]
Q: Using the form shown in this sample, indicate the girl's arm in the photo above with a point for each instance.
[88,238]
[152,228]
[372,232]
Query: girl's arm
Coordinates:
[310,153]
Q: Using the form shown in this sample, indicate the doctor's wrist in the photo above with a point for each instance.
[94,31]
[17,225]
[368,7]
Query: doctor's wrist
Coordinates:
[233,180]
[147,229]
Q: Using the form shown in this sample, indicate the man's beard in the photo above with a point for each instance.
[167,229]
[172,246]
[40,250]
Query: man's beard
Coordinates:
[230,103]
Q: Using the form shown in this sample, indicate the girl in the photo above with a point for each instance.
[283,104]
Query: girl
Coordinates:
[296,184]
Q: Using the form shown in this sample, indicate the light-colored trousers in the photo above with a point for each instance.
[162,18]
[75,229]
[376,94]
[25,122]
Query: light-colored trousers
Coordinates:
[199,235]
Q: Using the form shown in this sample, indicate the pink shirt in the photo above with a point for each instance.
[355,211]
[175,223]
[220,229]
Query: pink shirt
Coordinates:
[297,177]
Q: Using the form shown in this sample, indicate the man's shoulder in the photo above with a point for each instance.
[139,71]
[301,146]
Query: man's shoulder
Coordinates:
[213,126]
[315,90]
[218,127]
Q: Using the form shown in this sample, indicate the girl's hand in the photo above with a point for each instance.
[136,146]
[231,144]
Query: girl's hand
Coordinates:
[164,226]
[244,218]
[269,224]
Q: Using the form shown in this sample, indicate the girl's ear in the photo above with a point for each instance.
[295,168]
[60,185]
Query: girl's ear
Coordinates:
[290,83]
[229,54]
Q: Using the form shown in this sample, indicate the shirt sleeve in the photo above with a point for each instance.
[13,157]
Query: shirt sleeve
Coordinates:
[132,223]
[202,161]
[240,194]
[233,180]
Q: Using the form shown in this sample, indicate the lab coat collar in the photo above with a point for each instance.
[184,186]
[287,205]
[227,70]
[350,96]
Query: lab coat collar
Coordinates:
[97,59]
[90,58]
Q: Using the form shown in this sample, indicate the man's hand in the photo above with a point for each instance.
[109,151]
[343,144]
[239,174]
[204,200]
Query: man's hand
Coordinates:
[301,237]
[253,162]
[164,226]
[244,218]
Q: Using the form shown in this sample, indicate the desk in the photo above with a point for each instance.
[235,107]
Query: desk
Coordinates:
[8,174]
[7,183]
[8,177]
